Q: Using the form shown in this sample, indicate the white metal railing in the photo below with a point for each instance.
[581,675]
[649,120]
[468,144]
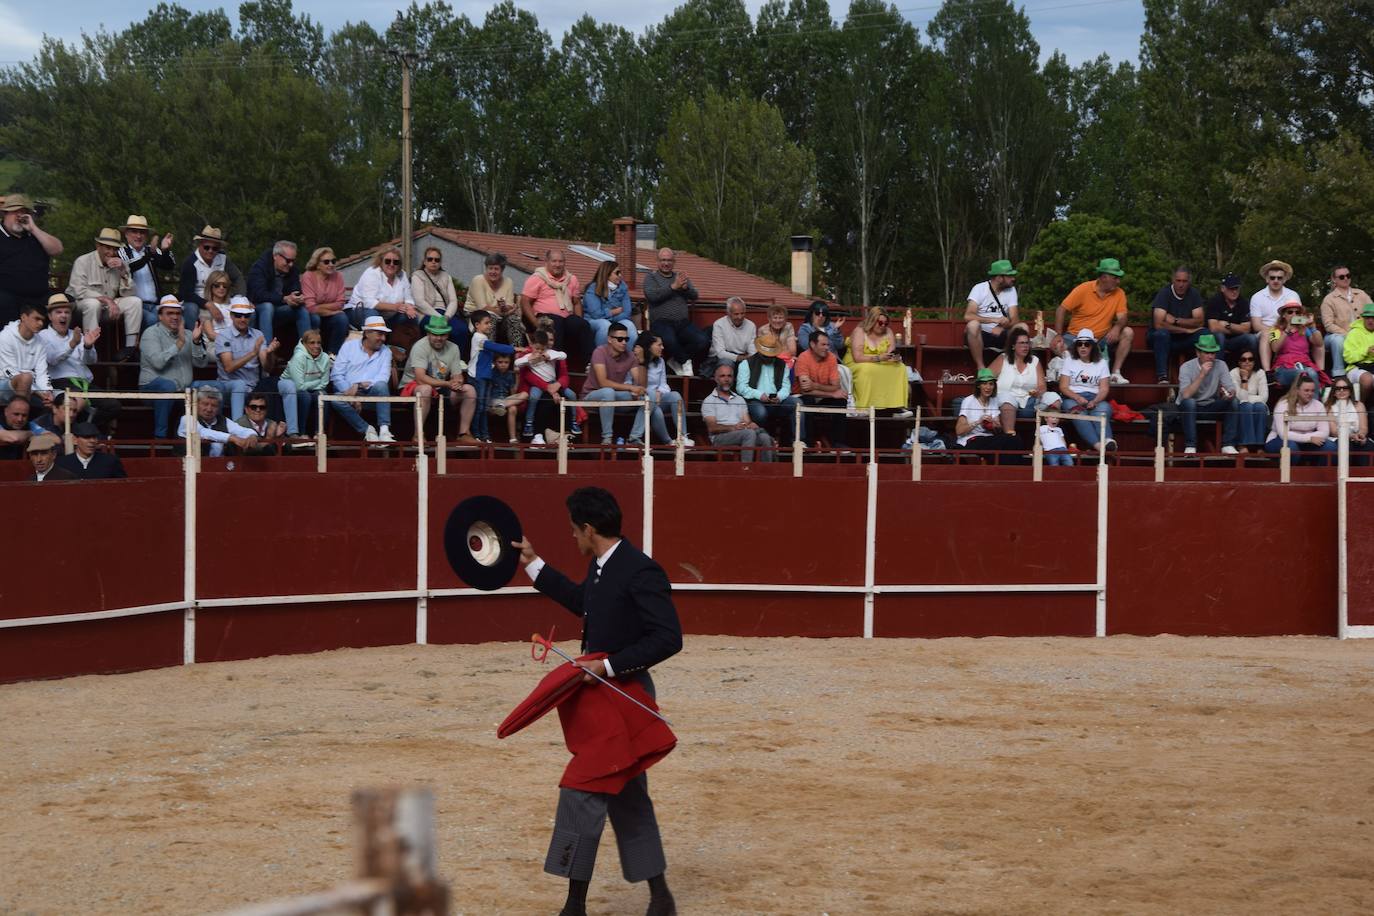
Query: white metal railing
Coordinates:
[798,448]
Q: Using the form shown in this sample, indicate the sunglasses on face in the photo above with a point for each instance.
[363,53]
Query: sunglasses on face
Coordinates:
[1247,359]
[326,260]
[1342,276]
[1276,277]
[1085,343]
[434,260]
[1340,387]
[391,261]
[621,339]
[257,406]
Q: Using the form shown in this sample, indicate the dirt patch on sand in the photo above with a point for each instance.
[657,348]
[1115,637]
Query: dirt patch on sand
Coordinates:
[812,776]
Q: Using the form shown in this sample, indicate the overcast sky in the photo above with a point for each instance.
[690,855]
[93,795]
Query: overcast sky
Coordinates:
[1082,29]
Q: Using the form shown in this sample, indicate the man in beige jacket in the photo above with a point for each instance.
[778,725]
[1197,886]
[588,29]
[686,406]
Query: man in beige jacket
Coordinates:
[101,284]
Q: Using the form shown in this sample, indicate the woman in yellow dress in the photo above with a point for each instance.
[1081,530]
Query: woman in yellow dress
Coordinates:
[880,378]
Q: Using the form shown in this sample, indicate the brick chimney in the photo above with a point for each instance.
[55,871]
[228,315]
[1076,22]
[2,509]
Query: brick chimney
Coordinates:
[625,249]
[802,248]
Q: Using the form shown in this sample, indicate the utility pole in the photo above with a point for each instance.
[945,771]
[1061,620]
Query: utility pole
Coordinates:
[407,59]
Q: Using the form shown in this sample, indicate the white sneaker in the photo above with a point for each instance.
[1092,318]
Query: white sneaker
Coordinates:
[687,367]
[904,414]
[538,439]
[1118,379]
[674,365]
[1230,450]
[1190,450]
[371,434]
[384,435]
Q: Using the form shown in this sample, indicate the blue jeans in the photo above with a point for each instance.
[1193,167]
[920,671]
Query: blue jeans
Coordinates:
[602,327]
[333,331]
[760,412]
[351,417]
[269,314]
[1165,345]
[306,402]
[1335,352]
[682,340]
[1286,377]
[535,394]
[1311,454]
[285,390]
[1189,411]
[608,412]
[1059,457]
[671,400]
[1253,422]
[1087,429]
[235,391]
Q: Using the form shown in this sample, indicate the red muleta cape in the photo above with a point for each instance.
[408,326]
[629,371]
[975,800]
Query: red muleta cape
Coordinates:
[611,739]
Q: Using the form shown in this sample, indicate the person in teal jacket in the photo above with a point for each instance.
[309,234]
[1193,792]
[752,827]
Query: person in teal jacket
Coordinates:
[308,370]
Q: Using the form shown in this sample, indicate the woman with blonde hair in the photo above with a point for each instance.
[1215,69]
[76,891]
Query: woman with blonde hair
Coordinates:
[782,329]
[606,301]
[323,289]
[384,290]
[880,378]
[214,314]
[1301,418]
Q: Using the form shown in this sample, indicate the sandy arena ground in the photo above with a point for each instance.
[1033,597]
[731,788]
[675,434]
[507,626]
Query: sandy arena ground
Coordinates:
[839,776]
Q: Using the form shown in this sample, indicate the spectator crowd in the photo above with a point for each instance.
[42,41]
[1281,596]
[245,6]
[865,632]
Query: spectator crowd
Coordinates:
[505,362]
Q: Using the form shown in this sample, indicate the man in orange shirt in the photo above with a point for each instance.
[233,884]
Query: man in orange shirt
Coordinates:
[818,381]
[1100,306]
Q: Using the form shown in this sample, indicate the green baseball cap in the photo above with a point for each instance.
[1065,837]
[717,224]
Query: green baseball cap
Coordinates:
[1110,266]
[985,375]
[1207,343]
[1367,311]
[437,324]
[1001,268]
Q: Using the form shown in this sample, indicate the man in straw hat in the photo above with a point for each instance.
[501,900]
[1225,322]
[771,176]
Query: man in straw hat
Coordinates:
[207,257]
[626,604]
[991,311]
[100,284]
[26,254]
[1099,306]
[144,259]
[764,382]
[363,369]
[1266,304]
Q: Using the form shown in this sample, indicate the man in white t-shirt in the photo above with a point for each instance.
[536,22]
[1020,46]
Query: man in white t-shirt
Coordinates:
[1265,304]
[991,311]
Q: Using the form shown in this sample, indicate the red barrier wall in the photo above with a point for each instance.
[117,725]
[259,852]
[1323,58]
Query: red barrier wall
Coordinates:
[1216,559]
[1204,557]
[129,532]
[1359,509]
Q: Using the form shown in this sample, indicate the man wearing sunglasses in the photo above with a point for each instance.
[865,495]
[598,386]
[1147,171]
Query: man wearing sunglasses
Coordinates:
[1359,353]
[274,288]
[1266,304]
[1340,309]
[207,258]
[1228,320]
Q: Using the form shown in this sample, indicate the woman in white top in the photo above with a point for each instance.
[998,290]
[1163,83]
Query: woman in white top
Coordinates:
[653,375]
[1085,383]
[1251,386]
[214,314]
[382,290]
[979,426]
[1020,381]
[1302,418]
[1344,411]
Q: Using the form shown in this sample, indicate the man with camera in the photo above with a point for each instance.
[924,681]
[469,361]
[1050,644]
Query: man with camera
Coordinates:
[26,252]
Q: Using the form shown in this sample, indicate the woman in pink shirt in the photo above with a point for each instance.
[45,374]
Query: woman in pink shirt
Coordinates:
[323,289]
[1303,420]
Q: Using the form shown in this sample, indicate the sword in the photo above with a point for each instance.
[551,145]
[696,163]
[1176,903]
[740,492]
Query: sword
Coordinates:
[536,641]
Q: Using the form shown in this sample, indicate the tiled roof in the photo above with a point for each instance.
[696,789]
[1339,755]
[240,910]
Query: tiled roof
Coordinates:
[715,282]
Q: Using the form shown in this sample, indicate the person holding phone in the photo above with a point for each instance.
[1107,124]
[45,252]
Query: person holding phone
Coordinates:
[26,254]
[1296,346]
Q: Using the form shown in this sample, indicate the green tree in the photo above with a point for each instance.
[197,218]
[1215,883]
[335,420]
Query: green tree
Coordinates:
[734,186]
[867,105]
[703,44]
[1310,208]
[1067,251]
[1201,125]
[797,50]
[1105,148]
